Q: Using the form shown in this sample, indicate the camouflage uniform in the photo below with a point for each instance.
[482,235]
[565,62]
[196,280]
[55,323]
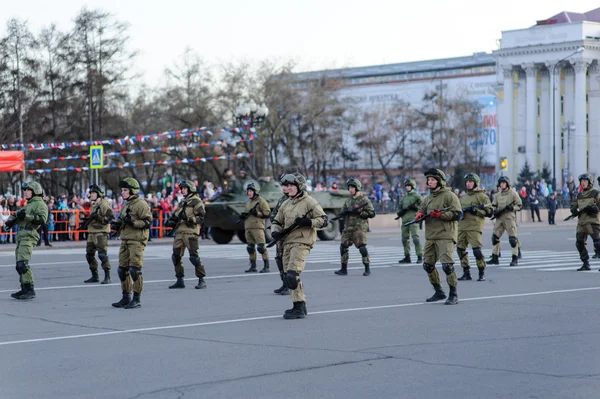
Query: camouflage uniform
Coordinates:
[470,228]
[134,223]
[407,209]
[255,213]
[588,222]
[283,290]
[356,210]
[440,235]
[29,219]
[505,204]
[187,222]
[97,240]
[305,212]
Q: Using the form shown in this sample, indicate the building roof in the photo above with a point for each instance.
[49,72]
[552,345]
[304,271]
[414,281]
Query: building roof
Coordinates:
[567,17]
[477,59]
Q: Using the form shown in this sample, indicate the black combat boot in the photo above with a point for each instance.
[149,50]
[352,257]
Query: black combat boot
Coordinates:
[94,278]
[515,260]
[252,267]
[106,277]
[419,259]
[124,301]
[466,274]
[585,267]
[596,255]
[135,302]
[201,283]
[343,271]
[493,260]
[283,290]
[405,260]
[452,297]
[438,295]
[519,255]
[265,269]
[28,292]
[481,275]
[367,271]
[178,284]
[297,312]
[17,294]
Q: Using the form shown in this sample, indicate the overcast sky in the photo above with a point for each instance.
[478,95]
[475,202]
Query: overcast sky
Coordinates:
[317,34]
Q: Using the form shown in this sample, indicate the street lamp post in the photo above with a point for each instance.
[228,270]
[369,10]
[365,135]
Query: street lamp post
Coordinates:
[251,115]
[553,86]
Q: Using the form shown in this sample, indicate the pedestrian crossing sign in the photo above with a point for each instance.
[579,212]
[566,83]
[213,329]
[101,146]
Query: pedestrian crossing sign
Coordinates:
[96,157]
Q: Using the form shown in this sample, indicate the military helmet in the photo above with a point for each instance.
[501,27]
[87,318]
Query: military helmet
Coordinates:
[189,184]
[281,178]
[354,182]
[472,177]
[437,174]
[131,184]
[243,171]
[253,187]
[33,186]
[504,179]
[410,182]
[587,177]
[296,179]
[93,188]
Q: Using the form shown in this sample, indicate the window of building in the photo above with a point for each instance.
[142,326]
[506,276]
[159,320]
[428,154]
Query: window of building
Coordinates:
[562,105]
[539,144]
[539,108]
[587,123]
[562,142]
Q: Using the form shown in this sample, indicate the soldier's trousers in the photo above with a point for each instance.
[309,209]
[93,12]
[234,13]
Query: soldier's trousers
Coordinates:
[294,258]
[407,232]
[581,235]
[97,242]
[510,226]
[131,256]
[356,238]
[253,237]
[26,240]
[474,239]
[442,251]
[189,241]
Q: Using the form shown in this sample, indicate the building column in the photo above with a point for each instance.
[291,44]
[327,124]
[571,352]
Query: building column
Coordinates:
[531,118]
[506,131]
[580,136]
[554,112]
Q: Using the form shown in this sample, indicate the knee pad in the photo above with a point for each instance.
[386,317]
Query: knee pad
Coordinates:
[428,268]
[477,253]
[292,279]
[513,241]
[261,248]
[103,256]
[135,273]
[461,252]
[22,267]
[363,251]
[195,261]
[343,249]
[175,259]
[495,239]
[448,268]
[250,249]
[122,272]
[89,256]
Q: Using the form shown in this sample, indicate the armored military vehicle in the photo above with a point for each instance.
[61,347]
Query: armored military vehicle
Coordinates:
[223,214]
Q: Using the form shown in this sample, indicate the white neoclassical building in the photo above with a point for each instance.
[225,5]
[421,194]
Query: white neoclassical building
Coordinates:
[549,95]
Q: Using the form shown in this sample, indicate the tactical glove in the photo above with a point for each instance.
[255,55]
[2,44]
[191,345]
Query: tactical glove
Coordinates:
[436,214]
[243,215]
[420,215]
[253,212]
[276,235]
[20,214]
[510,207]
[304,222]
[116,224]
[9,224]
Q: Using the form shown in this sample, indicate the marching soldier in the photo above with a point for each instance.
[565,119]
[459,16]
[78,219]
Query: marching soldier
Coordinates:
[29,219]
[133,225]
[300,216]
[98,227]
[506,202]
[587,207]
[283,290]
[407,209]
[187,222]
[357,210]
[441,210]
[254,215]
[475,206]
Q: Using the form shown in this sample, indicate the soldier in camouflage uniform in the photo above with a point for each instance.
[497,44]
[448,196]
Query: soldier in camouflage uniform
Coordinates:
[357,210]
[506,202]
[470,228]
[443,211]
[133,223]
[29,219]
[303,211]
[283,290]
[407,209]
[588,223]
[98,230]
[186,223]
[254,215]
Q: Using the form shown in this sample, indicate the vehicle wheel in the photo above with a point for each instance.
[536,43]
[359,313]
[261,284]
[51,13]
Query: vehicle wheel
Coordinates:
[221,236]
[331,231]
[241,234]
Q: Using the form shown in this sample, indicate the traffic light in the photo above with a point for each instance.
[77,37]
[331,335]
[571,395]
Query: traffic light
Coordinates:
[504,164]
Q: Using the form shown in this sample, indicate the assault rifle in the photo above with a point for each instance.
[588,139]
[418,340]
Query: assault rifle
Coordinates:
[121,223]
[245,215]
[174,221]
[84,225]
[423,218]
[293,227]
[472,208]
[591,207]
[499,213]
[355,211]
